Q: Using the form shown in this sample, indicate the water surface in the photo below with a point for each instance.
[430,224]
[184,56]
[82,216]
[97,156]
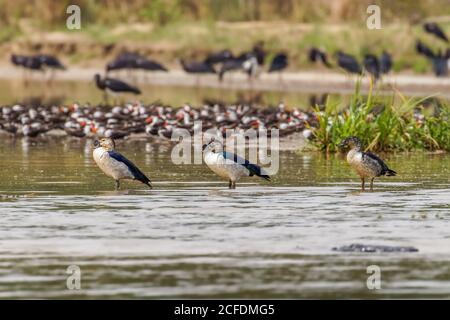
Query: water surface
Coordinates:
[192,237]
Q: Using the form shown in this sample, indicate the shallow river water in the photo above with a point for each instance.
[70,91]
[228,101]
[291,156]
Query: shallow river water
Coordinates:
[192,237]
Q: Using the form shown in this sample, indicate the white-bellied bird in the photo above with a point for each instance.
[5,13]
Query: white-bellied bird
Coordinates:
[366,164]
[229,165]
[115,165]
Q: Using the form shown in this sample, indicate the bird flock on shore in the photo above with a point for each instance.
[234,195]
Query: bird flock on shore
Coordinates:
[250,62]
[154,120]
[161,121]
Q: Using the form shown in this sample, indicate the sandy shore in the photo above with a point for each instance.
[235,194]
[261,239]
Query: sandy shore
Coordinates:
[308,81]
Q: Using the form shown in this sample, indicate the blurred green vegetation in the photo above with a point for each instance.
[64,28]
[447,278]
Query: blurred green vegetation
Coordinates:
[162,12]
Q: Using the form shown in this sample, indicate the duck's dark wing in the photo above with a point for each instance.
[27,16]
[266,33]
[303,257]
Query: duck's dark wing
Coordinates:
[384,169]
[138,175]
[253,168]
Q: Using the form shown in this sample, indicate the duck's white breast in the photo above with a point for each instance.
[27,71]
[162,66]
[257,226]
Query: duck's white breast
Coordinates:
[225,168]
[110,166]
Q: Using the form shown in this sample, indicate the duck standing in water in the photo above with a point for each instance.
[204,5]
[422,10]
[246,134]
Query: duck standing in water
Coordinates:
[229,165]
[366,164]
[116,165]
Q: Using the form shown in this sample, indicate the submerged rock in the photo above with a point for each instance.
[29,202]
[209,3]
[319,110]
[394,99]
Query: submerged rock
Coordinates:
[357,247]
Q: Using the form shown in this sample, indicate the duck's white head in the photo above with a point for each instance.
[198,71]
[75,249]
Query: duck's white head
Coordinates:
[106,143]
[213,146]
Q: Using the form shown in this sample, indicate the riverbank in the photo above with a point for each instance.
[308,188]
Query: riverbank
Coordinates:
[96,43]
[304,81]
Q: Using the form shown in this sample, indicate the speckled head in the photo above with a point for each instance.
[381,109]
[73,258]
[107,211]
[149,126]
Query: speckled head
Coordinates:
[106,143]
[213,145]
[353,142]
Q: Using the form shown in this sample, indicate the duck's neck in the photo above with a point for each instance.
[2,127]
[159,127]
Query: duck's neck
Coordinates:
[353,153]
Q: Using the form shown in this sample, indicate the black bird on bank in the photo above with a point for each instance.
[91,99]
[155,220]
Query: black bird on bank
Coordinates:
[348,63]
[316,55]
[114,86]
[27,62]
[219,57]
[439,60]
[197,67]
[279,63]
[149,65]
[385,62]
[434,29]
[134,61]
[125,60]
[51,62]
[259,53]
[231,65]
[372,66]
[440,63]
[424,50]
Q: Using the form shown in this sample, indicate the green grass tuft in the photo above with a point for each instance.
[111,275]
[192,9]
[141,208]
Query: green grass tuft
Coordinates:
[384,126]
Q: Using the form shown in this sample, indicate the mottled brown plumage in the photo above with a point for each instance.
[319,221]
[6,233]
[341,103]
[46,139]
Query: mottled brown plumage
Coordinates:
[366,164]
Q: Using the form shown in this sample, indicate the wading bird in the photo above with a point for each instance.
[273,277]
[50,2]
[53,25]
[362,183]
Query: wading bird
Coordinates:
[29,63]
[197,67]
[439,60]
[316,55]
[434,29]
[348,63]
[424,50]
[229,165]
[230,65]
[385,63]
[114,86]
[279,63]
[366,164]
[372,66]
[50,62]
[219,57]
[115,165]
